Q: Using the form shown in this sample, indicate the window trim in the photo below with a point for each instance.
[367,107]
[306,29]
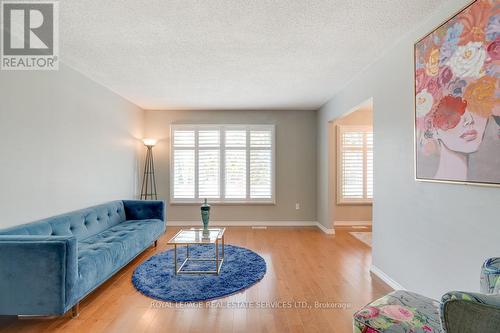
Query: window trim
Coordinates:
[222,156]
[340,199]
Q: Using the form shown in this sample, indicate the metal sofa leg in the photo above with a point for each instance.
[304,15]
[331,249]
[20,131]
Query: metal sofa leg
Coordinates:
[75,310]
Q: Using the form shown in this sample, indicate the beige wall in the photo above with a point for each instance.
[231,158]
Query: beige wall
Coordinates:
[66,142]
[295,163]
[345,212]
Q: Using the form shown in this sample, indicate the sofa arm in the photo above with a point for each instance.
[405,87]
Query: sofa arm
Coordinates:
[144,209]
[37,274]
[470,312]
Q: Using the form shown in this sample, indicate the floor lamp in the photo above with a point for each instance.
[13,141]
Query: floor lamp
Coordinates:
[148,189]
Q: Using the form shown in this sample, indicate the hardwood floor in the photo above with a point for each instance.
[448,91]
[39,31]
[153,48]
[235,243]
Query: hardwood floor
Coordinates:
[304,266]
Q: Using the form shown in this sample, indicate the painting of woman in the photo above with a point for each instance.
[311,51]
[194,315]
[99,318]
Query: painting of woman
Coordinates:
[457,98]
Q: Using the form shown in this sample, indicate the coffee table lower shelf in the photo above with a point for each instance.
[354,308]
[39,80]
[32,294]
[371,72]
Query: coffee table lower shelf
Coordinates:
[215,260]
[182,238]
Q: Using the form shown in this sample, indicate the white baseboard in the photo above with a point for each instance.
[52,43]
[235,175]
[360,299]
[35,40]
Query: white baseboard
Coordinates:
[351,223]
[328,231]
[386,278]
[245,223]
[255,224]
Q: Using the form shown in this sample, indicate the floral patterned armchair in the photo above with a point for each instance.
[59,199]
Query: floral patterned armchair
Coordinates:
[407,312]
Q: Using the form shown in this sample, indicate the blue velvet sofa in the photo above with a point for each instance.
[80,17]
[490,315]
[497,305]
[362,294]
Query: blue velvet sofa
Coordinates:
[48,266]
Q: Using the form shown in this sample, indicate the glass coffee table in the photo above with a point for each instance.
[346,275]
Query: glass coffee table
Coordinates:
[196,236]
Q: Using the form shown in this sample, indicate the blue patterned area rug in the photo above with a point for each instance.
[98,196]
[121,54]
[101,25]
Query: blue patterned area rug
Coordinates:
[155,277]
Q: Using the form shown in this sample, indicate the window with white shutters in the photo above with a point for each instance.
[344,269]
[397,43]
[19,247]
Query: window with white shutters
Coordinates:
[223,163]
[355,164]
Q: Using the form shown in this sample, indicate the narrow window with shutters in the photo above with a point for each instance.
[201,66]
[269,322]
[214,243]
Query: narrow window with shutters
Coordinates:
[223,163]
[355,164]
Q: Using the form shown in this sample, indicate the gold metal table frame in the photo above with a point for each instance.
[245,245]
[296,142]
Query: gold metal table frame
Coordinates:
[195,236]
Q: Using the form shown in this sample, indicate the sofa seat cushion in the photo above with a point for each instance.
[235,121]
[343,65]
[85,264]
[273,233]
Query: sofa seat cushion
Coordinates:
[101,255]
[400,312]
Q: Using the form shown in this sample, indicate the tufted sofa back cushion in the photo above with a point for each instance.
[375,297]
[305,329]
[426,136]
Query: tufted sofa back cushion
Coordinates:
[81,223]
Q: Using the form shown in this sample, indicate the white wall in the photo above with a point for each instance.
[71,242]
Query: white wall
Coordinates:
[66,143]
[295,163]
[428,237]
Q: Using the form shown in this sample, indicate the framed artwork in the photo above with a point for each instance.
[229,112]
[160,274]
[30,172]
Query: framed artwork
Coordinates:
[457,98]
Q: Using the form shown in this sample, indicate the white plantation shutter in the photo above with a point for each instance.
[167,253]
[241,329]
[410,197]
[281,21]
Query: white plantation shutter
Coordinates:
[236,138]
[209,163]
[352,171]
[184,139]
[208,174]
[355,167]
[209,138]
[369,165]
[262,139]
[260,174]
[224,163]
[184,166]
[236,164]
[261,164]
[236,174]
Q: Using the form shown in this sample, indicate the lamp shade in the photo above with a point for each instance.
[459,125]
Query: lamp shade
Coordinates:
[149,142]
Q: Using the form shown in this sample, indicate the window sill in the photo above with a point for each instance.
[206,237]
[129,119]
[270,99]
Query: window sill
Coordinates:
[355,203]
[226,203]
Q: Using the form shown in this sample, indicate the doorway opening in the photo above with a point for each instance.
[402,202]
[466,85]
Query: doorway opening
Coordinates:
[351,171]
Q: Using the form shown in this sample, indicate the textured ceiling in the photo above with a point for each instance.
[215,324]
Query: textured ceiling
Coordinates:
[230,54]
